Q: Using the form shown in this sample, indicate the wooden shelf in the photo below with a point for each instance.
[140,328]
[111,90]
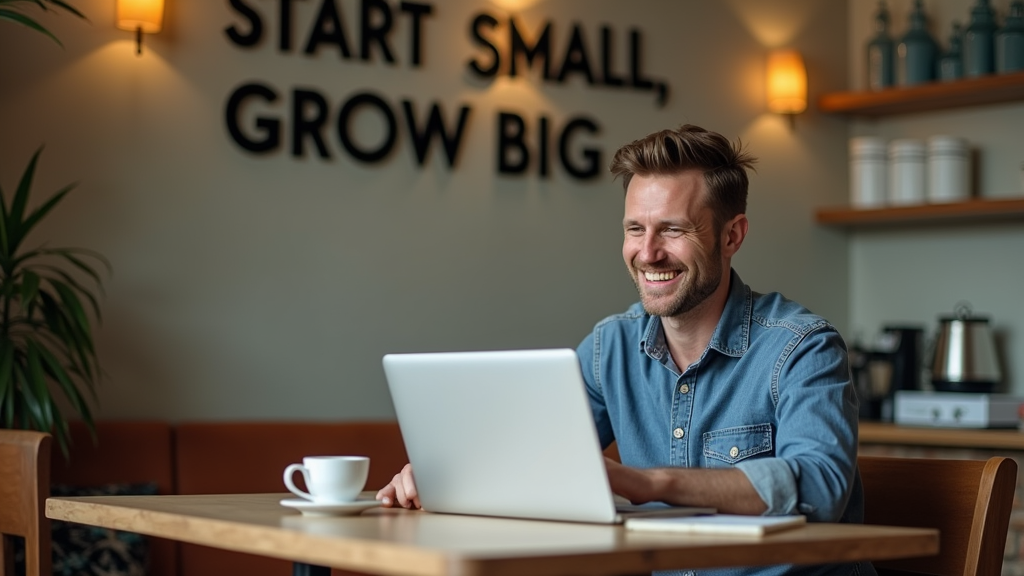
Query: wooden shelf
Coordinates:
[971,211]
[992,89]
[881,433]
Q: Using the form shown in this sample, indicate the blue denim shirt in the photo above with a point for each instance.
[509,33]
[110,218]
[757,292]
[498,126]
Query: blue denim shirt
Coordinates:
[771,395]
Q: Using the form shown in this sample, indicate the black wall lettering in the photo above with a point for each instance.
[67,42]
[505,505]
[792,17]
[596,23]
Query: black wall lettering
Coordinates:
[608,77]
[417,12]
[476,30]
[435,125]
[251,38]
[576,60]
[524,145]
[639,81]
[367,99]
[304,124]
[370,33]
[512,142]
[542,146]
[592,155]
[328,30]
[284,42]
[271,127]
[541,48]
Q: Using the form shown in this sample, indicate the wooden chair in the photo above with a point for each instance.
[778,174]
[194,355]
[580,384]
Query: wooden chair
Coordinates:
[969,501]
[24,486]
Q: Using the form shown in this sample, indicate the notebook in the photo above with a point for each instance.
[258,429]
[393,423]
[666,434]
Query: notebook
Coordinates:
[725,524]
[505,433]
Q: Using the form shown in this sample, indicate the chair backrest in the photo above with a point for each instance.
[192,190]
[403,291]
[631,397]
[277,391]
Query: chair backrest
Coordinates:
[969,501]
[25,462]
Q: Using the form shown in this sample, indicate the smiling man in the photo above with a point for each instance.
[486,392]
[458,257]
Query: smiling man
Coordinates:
[716,395]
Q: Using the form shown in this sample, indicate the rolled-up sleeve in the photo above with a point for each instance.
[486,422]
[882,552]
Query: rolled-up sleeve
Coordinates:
[817,431]
[774,483]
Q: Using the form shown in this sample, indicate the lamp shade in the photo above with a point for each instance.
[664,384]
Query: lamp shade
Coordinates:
[147,15]
[787,82]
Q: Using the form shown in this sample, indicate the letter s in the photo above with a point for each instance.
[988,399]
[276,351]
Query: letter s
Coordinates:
[255,25]
[479,22]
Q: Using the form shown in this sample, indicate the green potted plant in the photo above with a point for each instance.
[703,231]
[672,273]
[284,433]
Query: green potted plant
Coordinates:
[13,11]
[46,298]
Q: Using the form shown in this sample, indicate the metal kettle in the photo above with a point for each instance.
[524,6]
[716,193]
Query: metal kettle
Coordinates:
[965,354]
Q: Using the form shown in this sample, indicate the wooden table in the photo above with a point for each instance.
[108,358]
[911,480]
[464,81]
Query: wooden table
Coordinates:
[416,543]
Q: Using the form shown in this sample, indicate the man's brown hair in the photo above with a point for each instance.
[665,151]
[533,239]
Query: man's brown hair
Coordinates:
[669,152]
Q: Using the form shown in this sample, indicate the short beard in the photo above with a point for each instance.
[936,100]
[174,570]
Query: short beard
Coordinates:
[696,290]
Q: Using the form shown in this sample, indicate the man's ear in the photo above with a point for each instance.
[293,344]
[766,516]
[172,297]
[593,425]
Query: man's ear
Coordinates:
[733,233]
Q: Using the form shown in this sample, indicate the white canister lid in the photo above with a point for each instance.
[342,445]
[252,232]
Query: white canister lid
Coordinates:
[904,147]
[947,144]
[867,144]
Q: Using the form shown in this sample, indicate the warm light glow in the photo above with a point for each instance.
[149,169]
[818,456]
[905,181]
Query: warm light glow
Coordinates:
[147,15]
[787,82]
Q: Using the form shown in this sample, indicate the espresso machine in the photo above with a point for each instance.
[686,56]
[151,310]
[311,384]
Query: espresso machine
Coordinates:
[892,363]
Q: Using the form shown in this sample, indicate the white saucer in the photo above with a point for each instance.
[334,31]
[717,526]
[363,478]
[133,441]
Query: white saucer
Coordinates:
[309,508]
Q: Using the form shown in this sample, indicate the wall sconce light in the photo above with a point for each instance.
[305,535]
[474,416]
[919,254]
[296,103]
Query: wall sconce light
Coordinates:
[140,16]
[787,82]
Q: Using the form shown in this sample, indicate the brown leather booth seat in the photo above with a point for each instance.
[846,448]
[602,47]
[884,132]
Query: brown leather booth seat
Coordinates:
[123,453]
[219,457]
[250,457]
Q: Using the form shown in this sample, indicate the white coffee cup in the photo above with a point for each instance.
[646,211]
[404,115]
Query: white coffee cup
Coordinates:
[330,479]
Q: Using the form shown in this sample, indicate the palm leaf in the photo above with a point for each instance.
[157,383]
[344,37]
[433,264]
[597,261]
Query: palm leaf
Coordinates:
[43,210]
[68,7]
[32,411]
[10,11]
[38,3]
[70,255]
[18,203]
[37,382]
[74,306]
[29,287]
[19,18]
[73,283]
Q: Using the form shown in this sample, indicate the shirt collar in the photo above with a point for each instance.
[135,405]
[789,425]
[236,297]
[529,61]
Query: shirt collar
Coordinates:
[732,335]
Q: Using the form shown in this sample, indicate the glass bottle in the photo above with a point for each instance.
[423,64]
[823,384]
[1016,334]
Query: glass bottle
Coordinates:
[951,65]
[979,41]
[1010,41]
[915,54]
[880,52]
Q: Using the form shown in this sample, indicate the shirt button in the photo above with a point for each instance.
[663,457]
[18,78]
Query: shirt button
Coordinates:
[685,388]
[734,451]
[678,433]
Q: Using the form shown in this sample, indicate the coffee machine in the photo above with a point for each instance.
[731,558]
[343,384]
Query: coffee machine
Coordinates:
[893,362]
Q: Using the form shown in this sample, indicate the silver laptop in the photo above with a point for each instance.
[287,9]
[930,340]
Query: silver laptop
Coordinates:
[505,433]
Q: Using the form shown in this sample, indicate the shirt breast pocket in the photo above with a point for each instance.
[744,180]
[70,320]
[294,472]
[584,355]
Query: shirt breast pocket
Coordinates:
[724,448]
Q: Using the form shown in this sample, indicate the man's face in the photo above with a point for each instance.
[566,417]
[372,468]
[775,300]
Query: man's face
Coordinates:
[670,245]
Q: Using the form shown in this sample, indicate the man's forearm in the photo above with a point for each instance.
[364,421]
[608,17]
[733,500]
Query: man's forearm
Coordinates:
[728,490]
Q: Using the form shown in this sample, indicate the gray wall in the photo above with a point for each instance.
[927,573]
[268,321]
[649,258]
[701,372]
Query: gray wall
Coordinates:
[270,286]
[913,276]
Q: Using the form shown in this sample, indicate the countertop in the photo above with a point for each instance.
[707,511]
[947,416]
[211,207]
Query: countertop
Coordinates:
[886,433]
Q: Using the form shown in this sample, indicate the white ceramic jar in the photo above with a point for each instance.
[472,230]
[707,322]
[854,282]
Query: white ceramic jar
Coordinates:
[867,172]
[907,171]
[948,169]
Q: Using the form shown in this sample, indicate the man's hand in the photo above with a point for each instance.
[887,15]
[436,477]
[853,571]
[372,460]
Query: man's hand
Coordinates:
[401,491]
[631,483]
